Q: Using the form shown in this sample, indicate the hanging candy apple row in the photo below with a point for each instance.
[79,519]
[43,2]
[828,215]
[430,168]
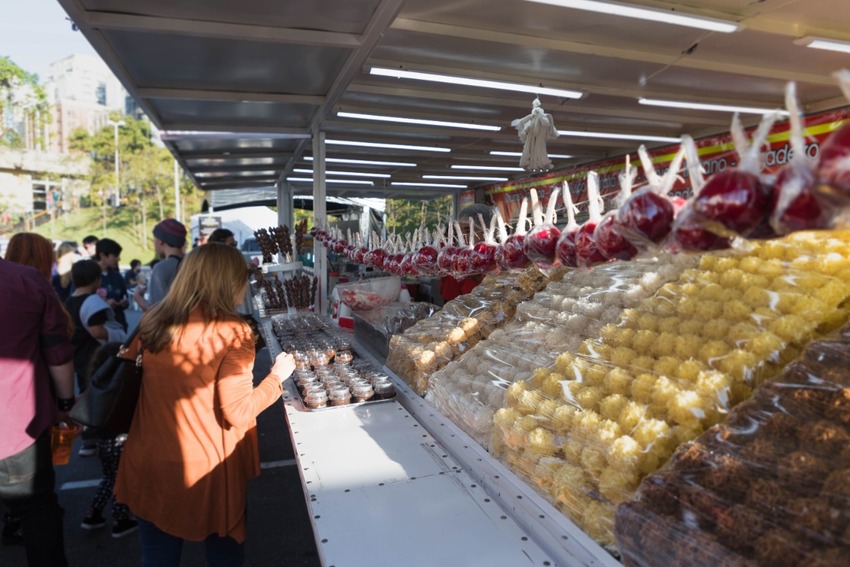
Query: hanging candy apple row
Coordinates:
[805,194]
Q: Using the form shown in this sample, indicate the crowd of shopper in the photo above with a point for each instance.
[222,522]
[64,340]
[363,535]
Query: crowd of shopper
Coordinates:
[181,472]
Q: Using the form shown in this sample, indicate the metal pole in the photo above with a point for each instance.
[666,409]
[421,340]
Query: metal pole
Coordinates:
[320,265]
[117,179]
[177,212]
[115,126]
[284,204]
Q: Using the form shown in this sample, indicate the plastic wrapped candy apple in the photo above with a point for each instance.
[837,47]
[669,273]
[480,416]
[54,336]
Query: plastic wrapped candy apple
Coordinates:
[565,248]
[608,234]
[445,258]
[735,201]
[484,253]
[425,257]
[406,264]
[587,253]
[462,261]
[796,205]
[647,216]
[360,251]
[540,242]
[834,166]
[377,254]
[392,263]
[340,244]
[689,232]
[510,254]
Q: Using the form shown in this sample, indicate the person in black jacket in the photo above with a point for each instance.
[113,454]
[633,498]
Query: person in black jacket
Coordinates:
[108,254]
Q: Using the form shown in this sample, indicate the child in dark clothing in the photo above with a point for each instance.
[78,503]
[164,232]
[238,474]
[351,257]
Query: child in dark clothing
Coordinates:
[109,450]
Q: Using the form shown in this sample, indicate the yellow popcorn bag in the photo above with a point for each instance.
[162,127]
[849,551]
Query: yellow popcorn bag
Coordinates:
[556,319]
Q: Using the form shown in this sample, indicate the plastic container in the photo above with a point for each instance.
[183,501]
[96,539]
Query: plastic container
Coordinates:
[340,396]
[362,392]
[371,293]
[343,357]
[316,398]
[384,389]
[61,440]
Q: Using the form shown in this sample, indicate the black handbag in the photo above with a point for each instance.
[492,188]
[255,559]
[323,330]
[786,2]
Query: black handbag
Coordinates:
[108,404]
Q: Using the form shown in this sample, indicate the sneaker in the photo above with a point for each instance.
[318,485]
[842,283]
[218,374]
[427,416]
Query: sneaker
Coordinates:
[93,521]
[87,449]
[123,527]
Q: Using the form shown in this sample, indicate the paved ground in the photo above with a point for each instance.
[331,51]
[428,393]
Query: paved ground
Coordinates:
[279,529]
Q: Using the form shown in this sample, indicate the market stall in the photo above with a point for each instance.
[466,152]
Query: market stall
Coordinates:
[605,398]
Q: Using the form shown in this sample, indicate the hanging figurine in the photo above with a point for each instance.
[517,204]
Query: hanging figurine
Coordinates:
[534,130]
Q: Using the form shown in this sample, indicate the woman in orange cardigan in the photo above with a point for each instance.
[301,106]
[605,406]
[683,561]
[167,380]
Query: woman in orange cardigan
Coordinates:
[192,446]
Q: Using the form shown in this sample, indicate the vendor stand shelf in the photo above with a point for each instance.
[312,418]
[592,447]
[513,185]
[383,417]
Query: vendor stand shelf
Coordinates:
[282,268]
[385,480]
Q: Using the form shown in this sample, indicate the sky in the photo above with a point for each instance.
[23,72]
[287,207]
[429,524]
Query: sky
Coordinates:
[35,33]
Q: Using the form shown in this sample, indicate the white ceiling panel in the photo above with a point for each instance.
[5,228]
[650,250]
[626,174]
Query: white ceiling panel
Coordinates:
[272,69]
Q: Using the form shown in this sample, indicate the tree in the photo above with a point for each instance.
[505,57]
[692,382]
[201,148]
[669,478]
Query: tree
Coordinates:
[146,172]
[23,107]
[404,216]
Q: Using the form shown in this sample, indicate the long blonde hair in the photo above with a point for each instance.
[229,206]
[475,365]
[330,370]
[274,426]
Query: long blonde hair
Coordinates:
[209,278]
[66,255]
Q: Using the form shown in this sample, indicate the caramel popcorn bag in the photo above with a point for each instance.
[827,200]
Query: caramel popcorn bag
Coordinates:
[587,429]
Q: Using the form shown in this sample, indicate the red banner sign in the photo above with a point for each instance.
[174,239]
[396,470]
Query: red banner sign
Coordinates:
[716,154]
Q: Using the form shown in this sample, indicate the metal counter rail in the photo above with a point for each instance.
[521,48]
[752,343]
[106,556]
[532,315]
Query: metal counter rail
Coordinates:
[381,490]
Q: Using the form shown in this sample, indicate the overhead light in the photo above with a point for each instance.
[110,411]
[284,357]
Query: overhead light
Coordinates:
[175,135]
[823,43]
[487,168]
[365,162]
[612,136]
[351,173]
[387,146]
[428,185]
[343,181]
[519,154]
[651,14]
[714,107]
[464,178]
[419,121]
[470,82]
[204,174]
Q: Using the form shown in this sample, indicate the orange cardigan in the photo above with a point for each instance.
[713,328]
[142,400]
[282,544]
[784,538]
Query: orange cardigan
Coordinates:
[192,446]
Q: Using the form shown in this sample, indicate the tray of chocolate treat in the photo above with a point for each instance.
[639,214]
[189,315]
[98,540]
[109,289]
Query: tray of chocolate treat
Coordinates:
[328,373]
[769,486]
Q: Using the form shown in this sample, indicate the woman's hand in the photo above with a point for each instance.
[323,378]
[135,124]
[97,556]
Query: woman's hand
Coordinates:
[284,365]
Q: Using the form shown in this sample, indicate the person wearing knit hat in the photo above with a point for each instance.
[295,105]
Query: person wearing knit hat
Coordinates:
[169,242]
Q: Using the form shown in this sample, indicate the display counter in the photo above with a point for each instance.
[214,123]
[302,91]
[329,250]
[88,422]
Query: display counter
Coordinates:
[384,479]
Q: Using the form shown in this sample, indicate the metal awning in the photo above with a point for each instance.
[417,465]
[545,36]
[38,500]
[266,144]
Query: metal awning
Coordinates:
[240,88]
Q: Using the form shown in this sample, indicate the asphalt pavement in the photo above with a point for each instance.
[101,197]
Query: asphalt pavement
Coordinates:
[279,528]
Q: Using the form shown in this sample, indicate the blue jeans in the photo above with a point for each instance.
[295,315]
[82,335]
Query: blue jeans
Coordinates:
[160,549]
[27,489]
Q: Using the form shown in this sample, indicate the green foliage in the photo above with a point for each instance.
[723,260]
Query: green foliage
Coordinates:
[146,175]
[120,226]
[22,99]
[404,216]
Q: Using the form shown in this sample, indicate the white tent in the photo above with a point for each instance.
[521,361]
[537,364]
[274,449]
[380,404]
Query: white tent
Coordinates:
[242,222]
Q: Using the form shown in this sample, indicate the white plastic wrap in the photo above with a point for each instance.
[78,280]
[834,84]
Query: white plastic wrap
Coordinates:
[589,428]
[557,319]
